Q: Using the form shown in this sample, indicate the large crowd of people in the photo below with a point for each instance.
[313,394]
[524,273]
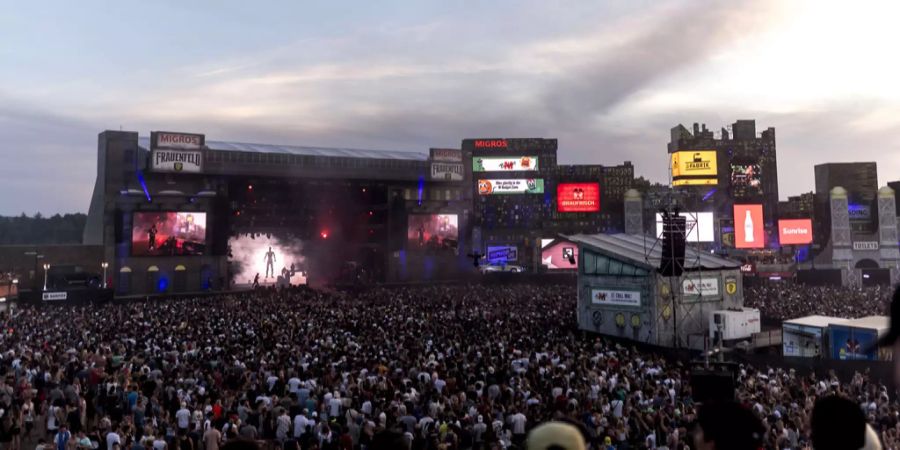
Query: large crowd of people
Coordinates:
[789,300]
[437,367]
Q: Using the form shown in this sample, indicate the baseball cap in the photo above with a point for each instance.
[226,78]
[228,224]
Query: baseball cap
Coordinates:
[555,435]
[894,333]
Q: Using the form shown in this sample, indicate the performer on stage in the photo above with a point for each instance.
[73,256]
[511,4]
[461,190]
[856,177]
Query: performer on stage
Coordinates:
[256,281]
[152,237]
[270,262]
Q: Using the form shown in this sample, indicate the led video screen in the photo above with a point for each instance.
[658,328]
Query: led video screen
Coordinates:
[268,256]
[795,232]
[519,186]
[694,168]
[562,255]
[168,233]
[507,164]
[748,226]
[746,179]
[700,226]
[433,232]
[578,197]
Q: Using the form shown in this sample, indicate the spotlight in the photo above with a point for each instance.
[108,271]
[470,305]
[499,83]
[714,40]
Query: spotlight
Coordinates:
[324,234]
[249,187]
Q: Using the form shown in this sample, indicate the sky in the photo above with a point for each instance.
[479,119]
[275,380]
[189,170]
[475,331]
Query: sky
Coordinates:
[608,79]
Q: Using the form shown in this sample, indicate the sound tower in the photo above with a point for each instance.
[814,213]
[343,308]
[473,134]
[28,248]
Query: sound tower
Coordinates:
[671,264]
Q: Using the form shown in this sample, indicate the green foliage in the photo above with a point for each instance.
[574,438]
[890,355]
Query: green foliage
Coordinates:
[58,229]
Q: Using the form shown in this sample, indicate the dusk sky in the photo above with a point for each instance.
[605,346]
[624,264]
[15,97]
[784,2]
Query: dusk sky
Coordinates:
[608,79]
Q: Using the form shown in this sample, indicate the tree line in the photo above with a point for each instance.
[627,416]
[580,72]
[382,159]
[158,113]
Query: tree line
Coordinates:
[40,230]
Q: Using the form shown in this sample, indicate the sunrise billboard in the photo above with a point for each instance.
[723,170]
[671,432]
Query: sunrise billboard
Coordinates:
[795,232]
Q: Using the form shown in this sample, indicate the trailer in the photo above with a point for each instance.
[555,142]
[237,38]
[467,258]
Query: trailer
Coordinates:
[730,325]
[807,337]
[857,339]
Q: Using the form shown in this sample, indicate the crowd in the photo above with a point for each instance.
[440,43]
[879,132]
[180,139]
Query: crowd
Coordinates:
[788,300]
[439,367]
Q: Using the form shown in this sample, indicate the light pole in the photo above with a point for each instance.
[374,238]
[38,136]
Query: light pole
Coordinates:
[104,265]
[46,269]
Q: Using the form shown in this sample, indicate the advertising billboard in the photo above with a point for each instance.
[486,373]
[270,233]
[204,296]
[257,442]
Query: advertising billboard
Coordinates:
[694,163]
[695,182]
[700,226]
[176,141]
[168,233]
[508,164]
[748,226]
[433,232]
[446,154]
[502,254]
[700,286]
[577,197]
[746,179]
[176,161]
[795,232]
[441,171]
[562,255]
[615,298]
[520,186]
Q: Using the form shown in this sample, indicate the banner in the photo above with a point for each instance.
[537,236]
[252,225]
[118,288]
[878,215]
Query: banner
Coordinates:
[695,182]
[447,171]
[177,141]
[503,187]
[617,298]
[502,253]
[54,296]
[578,197]
[176,161]
[699,226]
[690,163]
[509,164]
[702,287]
[795,231]
[748,226]
[446,154]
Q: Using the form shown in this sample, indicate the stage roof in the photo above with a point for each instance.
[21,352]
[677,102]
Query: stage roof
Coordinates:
[646,251]
[144,142]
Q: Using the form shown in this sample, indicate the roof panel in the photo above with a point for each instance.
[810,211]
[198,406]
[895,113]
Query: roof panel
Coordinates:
[144,142]
[647,251]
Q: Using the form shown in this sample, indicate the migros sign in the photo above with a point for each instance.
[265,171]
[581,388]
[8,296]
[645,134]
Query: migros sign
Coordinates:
[491,143]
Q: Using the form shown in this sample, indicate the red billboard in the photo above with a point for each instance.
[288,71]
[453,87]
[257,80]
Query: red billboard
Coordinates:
[748,226]
[578,197]
[795,232]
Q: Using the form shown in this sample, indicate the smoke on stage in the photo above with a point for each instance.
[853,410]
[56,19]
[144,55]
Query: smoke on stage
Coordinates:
[249,256]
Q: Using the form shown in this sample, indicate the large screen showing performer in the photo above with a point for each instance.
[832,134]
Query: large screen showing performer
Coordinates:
[746,179]
[433,232]
[168,233]
[265,259]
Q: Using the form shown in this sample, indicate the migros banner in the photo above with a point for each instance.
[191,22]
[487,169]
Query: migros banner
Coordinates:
[577,197]
[691,163]
[795,231]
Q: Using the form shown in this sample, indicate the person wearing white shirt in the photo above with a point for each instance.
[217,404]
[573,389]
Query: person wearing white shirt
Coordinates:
[294,385]
[334,406]
[183,416]
[300,423]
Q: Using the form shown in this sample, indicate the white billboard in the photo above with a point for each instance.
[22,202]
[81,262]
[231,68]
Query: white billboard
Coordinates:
[704,287]
[700,226]
[617,298]
[441,171]
[504,164]
[176,161]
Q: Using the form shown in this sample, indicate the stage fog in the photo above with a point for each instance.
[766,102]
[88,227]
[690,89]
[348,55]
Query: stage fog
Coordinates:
[270,257]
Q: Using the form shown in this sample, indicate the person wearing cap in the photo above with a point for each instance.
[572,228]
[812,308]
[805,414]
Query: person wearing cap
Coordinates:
[555,436]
